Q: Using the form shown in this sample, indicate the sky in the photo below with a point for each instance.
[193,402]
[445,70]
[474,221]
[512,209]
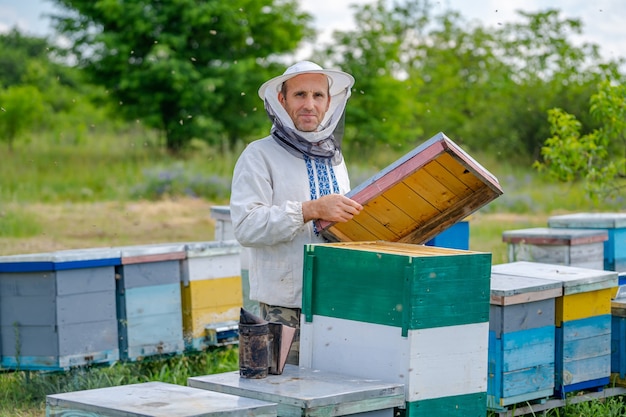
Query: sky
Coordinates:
[604,21]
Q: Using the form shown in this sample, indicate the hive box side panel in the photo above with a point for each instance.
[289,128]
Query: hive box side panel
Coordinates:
[583,350]
[79,281]
[30,340]
[28,311]
[449,290]
[429,362]
[219,265]
[583,305]
[85,308]
[441,366]
[150,274]
[618,345]
[210,301]
[87,338]
[528,348]
[28,284]
[396,289]
[588,255]
[153,320]
[615,253]
[152,301]
[340,283]
[507,319]
[515,360]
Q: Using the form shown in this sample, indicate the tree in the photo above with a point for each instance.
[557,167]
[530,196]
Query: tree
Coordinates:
[548,70]
[419,73]
[597,158]
[17,52]
[21,107]
[181,65]
[383,110]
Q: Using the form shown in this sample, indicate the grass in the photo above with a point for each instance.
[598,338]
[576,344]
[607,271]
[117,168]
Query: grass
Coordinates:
[123,190]
[22,394]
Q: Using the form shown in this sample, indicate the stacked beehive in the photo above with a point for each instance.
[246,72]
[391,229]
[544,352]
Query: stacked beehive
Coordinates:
[149,300]
[521,339]
[211,293]
[613,223]
[583,248]
[412,314]
[57,310]
[582,319]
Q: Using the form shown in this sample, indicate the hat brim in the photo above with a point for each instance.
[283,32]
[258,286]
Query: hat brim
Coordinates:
[339,81]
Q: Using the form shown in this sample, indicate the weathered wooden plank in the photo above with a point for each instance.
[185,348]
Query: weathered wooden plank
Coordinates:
[583,305]
[516,317]
[138,275]
[583,352]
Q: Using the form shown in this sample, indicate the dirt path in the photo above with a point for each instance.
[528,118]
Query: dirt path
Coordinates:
[91,225]
[76,226]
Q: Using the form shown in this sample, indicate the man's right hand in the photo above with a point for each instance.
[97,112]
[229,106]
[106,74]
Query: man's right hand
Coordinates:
[332,208]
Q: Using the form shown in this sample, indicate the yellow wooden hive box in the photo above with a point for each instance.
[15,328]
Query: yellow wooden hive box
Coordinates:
[414,199]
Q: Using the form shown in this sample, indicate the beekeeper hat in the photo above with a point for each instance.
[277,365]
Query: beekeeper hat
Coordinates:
[338,81]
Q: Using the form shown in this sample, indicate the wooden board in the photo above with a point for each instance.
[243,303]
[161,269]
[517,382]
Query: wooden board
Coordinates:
[521,366]
[583,354]
[519,289]
[417,197]
[154,399]
[308,392]
[554,236]
[574,279]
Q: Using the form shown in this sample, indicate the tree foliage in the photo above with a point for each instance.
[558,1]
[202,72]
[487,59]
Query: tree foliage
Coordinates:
[191,69]
[185,67]
[22,106]
[597,158]
[17,50]
[490,88]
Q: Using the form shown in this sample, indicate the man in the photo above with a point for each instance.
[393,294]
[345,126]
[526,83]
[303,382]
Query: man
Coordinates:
[285,181]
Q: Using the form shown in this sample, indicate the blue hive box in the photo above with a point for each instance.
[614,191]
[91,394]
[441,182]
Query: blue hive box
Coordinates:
[521,339]
[582,319]
[57,310]
[149,303]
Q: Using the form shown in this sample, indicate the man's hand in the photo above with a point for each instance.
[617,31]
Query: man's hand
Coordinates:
[332,208]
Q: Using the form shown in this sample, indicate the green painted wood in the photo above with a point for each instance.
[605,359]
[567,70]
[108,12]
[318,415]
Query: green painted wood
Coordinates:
[469,405]
[450,290]
[396,289]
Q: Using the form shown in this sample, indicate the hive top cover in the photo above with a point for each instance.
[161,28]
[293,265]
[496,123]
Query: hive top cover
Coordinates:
[421,194]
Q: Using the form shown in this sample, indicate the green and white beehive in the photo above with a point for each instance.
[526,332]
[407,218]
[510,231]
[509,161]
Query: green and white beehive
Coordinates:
[413,314]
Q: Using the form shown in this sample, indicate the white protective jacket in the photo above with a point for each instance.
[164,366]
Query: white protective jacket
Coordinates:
[268,188]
